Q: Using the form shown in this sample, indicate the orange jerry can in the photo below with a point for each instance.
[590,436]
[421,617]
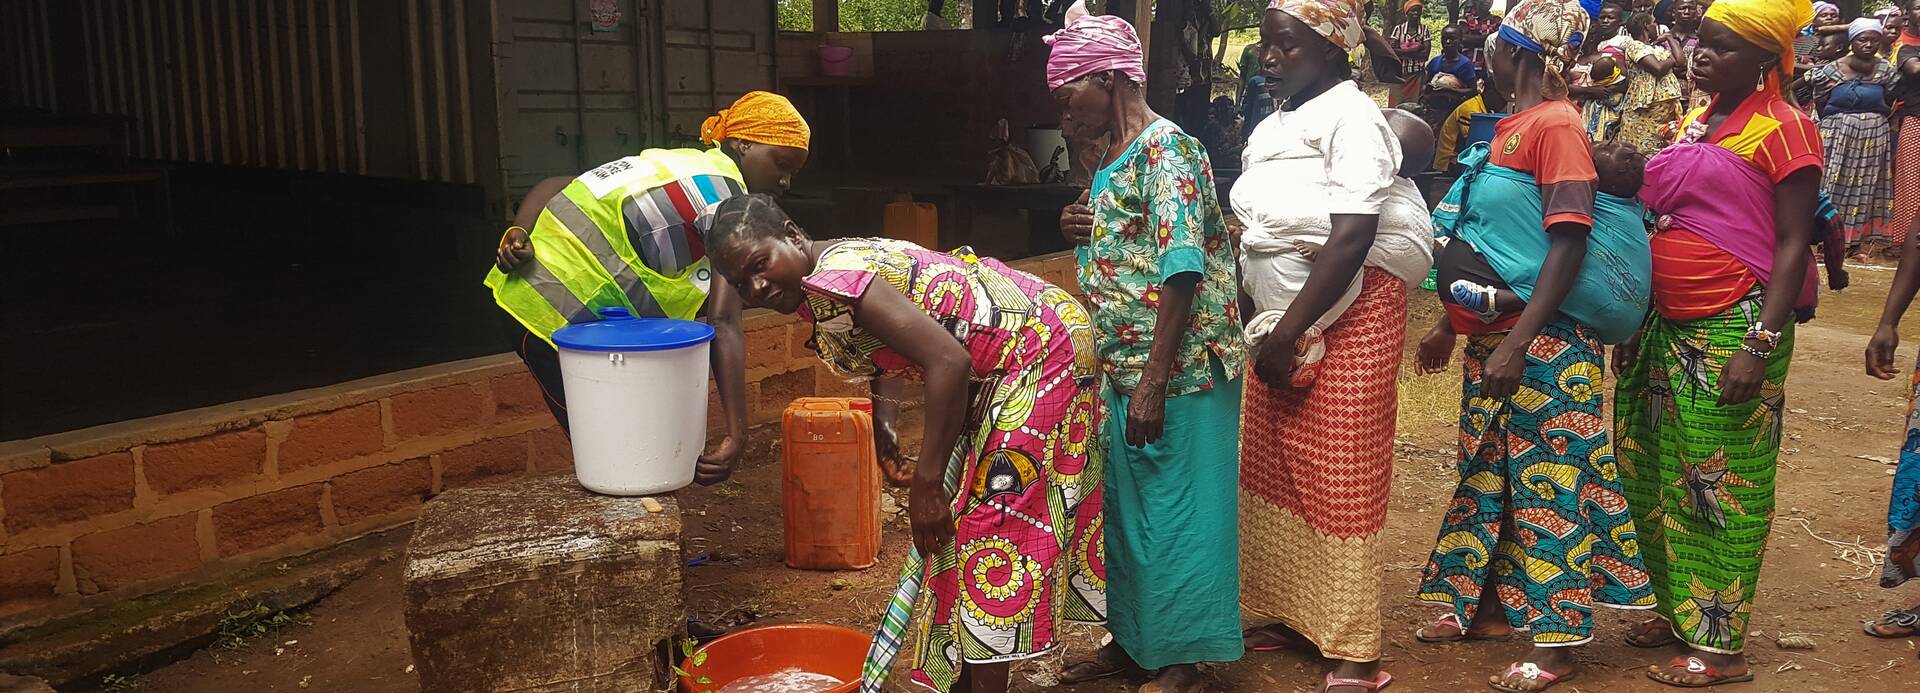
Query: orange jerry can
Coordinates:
[915,222]
[830,494]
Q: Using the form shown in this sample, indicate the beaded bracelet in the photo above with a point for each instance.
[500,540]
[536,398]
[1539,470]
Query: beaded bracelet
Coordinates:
[1763,334]
[1756,352]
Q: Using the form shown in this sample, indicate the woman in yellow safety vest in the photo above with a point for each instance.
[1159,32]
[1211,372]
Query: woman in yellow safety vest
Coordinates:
[631,234]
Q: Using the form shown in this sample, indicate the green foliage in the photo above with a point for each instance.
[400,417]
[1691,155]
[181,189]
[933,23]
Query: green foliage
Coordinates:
[115,683]
[248,621]
[699,659]
[869,15]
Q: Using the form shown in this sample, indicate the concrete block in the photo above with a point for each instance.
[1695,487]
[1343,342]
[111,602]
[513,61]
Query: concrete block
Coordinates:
[537,584]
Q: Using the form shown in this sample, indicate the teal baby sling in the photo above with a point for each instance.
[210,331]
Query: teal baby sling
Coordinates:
[1505,224]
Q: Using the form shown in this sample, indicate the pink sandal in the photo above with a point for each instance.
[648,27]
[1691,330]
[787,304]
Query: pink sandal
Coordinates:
[1378,683]
[1532,673]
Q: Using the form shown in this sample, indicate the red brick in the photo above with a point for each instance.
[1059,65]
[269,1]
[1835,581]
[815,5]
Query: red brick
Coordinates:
[827,383]
[208,462]
[268,519]
[382,490]
[552,450]
[436,411]
[117,558]
[27,579]
[332,436]
[68,491]
[797,338]
[716,415]
[767,349]
[517,395]
[777,392]
[484,462]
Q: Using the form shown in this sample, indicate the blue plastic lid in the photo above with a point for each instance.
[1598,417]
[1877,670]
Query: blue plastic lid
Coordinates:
[618,330]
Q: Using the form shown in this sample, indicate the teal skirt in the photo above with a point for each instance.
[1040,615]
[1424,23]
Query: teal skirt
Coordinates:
[1173,530]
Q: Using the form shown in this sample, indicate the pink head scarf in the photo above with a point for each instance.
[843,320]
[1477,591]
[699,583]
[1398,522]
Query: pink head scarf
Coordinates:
[1093,43]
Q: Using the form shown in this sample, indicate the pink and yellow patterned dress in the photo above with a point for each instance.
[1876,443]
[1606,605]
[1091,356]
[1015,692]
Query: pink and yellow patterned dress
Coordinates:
[1027,548]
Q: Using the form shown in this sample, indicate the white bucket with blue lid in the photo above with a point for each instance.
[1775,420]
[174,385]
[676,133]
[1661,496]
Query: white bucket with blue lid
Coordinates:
[637,400]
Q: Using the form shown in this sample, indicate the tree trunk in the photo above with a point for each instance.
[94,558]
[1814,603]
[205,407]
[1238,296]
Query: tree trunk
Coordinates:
[1163,54]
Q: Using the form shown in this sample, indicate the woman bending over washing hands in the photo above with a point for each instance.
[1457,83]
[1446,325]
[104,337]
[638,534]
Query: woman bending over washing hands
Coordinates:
[1004,503]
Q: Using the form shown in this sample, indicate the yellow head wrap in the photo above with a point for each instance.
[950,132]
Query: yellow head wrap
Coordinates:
[1769,24]
[759,116]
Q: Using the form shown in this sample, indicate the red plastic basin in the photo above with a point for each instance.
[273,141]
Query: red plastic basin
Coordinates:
[816,647]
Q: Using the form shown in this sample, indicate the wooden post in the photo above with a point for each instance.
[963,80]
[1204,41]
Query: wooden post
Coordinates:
[985,14]
[1163,53]
[826,16]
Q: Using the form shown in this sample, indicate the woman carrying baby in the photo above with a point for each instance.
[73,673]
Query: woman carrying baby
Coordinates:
[1538,530]
[1317,459]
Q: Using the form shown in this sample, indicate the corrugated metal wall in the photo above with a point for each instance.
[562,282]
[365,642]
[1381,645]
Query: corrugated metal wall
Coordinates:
[463,91]
[26,55]
[368,87]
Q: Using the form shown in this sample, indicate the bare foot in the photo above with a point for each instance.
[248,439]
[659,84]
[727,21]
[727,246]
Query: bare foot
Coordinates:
[1179,678]
[1111,660]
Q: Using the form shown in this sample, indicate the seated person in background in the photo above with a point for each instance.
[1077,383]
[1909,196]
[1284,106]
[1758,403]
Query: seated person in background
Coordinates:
[1225,136]
[1452,131]
[1443,95]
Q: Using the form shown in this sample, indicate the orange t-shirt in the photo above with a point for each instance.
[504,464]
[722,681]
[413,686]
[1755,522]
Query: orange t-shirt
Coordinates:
[1692,278]
[1550,142]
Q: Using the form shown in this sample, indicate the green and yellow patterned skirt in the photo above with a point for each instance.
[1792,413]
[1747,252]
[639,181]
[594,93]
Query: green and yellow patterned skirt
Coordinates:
[1699,476]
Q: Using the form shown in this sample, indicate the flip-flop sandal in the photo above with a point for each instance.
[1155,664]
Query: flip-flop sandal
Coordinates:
[1694,665]
[1453,620]
[1287,642]
[1899,624]
[1095,669]
[1533,673]
[1378,683]
[1662,635]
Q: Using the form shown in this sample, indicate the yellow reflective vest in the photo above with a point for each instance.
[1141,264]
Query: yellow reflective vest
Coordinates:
[630,234]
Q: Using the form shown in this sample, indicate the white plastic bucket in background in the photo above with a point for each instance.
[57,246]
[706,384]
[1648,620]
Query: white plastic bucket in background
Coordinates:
[636,400]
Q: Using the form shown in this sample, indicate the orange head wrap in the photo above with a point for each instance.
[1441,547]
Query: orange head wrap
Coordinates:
[760,116]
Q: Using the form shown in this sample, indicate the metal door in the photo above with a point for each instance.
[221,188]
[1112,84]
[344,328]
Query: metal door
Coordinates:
[572,87]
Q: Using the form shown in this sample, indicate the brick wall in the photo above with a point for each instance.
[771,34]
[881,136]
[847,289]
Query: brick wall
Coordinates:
[109,512]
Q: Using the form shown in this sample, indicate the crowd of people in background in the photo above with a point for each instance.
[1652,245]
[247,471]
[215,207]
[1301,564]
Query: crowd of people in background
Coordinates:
[1211,435]
[1634,82]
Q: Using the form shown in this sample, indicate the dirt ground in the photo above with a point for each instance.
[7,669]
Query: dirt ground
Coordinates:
[1842,432]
